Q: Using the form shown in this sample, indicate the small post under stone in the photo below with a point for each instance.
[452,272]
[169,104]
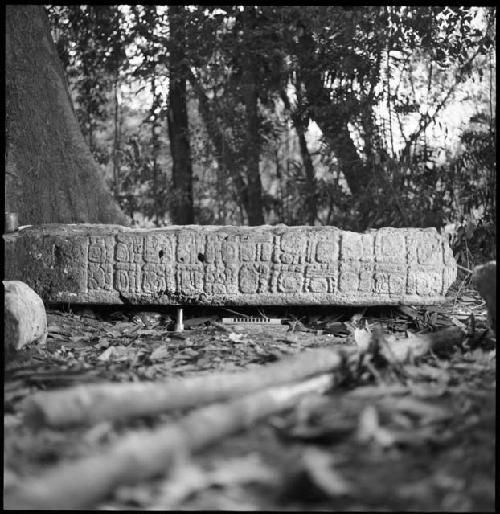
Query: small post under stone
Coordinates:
[179,325]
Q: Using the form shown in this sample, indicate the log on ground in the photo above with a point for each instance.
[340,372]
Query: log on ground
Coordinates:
[92,403]
[146,454]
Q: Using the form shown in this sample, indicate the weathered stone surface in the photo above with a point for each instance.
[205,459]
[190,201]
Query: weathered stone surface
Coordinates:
[226,265]
[25,320]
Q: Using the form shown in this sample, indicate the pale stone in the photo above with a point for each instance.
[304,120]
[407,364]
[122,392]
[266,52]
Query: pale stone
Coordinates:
[25,319]
[227,265]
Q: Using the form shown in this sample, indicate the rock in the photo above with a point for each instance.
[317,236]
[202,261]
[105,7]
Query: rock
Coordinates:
[484,278]
[25,320]
[227,265]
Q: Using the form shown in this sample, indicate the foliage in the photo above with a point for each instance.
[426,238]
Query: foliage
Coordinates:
[380,83]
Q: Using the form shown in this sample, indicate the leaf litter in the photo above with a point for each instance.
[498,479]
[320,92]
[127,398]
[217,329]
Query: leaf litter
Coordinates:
[403,426]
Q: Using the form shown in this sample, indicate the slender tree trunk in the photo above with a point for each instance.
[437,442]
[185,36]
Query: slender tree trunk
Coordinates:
[224,152]
[330,119]
[117,140]
[155,149]
[250,92]
[182,211]
[255,206]
[51,175]
[301,127]
[311,201]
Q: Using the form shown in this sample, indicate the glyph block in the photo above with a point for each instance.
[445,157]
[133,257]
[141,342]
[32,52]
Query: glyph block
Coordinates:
[226,265]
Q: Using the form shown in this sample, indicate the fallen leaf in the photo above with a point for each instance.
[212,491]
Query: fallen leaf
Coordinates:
[425,371]
[426,411]
[98,432]
[378,390]
[188,478]
[336,327]
[146,332]
[116,353]
[428,390]
[363,339]
[236,338]
[457,322]
[199,321]
[56,329]
[410,312]
[106,354]
[369,428]
[319,466]
[103,344]
[159,353]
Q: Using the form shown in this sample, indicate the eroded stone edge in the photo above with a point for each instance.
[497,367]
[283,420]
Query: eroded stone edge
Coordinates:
[65,248]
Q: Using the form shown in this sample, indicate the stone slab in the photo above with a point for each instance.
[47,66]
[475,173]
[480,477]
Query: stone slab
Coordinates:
[226,265]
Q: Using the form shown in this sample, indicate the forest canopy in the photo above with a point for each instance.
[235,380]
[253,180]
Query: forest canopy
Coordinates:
[322,115]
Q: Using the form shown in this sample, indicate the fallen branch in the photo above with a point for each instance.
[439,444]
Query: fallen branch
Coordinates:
[145,454]
[91,403]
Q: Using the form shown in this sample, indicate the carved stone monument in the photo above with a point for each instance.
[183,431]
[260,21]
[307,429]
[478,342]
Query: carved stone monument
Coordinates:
[226,265]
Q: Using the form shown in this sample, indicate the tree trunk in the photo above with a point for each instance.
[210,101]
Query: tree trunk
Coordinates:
[250,97]
[255,207]
[225,154]
[301,126]
[117,139]
[251,101]
[311,201]
[182,211]
[330,119]
[51,175]
[155,148]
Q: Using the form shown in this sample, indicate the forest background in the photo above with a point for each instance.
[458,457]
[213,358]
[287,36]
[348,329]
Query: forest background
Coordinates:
[303,115]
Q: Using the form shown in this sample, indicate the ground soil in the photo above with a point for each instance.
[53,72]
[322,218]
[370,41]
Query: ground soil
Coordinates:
[419,437]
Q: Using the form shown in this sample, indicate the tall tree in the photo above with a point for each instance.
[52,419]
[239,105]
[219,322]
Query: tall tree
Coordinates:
[178,128]
[251,101]
[51,175]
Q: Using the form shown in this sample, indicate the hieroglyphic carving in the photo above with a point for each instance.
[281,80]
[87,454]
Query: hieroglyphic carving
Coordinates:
[387,262]
[100,265]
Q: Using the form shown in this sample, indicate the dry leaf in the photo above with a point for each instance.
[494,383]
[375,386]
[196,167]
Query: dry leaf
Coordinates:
[103,344]
[199,321]
[187,478]
[369,428]
[426,411]
[116,353]
[319,467]
[378,390]
[362,338]
[426,390]
[159,353]
[236,338]
[425,371]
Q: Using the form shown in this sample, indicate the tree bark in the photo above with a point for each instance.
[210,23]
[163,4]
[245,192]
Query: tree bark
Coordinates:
[301,126]
[51,175]
[250,95]
[182,211]
[155,149]
[330,119]
[117,139]
[224,152]
[255,206]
